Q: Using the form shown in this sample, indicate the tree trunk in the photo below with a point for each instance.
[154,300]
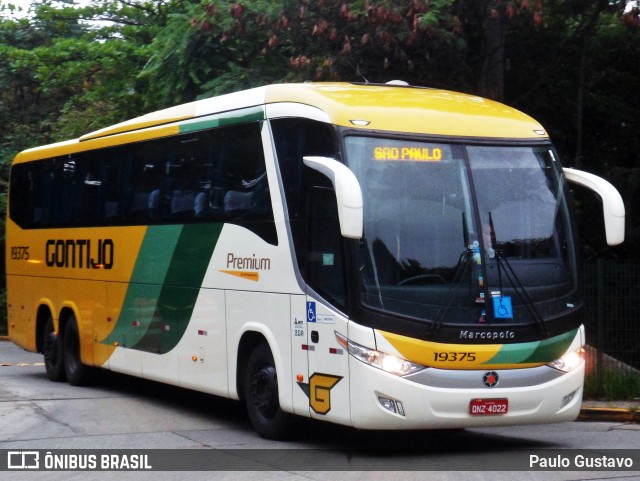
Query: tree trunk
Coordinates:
[492,73]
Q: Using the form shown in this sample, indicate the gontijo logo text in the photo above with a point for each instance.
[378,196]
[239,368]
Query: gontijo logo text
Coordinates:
[79,253]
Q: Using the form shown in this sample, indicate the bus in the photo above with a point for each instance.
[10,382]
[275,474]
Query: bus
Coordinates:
[377,256]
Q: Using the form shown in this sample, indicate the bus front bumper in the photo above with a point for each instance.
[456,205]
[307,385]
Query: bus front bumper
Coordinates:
[384,401]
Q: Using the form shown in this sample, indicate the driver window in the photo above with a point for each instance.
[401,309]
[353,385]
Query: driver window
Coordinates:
[324,257]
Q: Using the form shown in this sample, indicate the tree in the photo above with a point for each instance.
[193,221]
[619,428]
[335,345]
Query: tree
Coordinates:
[220,45]
[575,74]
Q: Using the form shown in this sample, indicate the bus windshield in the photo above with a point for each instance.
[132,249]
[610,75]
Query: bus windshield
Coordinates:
[463,234]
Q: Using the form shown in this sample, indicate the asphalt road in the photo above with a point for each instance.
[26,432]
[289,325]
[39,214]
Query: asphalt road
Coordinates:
[120,412]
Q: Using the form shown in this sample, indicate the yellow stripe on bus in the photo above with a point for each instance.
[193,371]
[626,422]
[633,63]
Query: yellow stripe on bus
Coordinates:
[459,356]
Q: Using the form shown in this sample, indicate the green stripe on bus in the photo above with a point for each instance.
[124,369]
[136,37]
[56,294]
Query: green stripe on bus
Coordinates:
[145,285]
[181,287]
[552,349]
[164,286]
[155,254]
[514,353]
[534,352]
[250,114]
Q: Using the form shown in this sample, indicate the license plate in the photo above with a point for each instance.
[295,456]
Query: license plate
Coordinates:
[488,407]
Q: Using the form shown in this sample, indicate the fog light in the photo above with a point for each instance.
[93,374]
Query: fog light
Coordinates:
[387,403]
[567,399]
[391,405]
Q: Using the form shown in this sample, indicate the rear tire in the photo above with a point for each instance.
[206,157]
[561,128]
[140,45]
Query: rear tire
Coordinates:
[261,395]
[52,350]
[77,373]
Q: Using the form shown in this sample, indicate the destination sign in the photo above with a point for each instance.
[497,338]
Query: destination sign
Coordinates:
[408,153]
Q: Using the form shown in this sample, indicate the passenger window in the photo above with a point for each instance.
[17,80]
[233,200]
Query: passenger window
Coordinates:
[216,175]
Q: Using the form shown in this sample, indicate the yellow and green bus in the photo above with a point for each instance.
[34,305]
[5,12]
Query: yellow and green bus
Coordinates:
[378,256]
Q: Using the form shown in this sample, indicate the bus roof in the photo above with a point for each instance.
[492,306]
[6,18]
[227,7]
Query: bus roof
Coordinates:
[401,109]
[411,109]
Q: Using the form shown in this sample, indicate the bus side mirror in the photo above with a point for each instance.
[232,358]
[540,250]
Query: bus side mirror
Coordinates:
[612,204]
[348,194]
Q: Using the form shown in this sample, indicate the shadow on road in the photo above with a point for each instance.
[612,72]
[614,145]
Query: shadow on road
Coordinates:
[312,433]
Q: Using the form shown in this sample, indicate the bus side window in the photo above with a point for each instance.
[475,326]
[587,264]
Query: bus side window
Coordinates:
[216,175]
[26,204]
[311,203]
[325,264]
[246,194]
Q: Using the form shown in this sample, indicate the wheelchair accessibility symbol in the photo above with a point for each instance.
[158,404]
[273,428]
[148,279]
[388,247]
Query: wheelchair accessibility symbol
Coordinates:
[502,307]
[311,312]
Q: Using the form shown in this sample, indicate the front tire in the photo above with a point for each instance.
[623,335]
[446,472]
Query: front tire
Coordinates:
[261,395]
[52,350]
[77,373]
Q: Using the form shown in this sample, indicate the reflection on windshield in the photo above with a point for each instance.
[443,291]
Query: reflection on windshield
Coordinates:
[521,200]
[439,238]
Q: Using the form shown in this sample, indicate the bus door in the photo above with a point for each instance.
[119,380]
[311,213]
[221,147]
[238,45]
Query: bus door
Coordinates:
[327,384]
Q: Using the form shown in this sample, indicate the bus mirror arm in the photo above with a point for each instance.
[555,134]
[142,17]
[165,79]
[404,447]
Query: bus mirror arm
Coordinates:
[348,194]
[612,204]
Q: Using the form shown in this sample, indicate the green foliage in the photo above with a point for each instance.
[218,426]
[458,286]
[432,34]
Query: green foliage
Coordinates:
[62,76]
[612,384]
[218,45]
[575,74]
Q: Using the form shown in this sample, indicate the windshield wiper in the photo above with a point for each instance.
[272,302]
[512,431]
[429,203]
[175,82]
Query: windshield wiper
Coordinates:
[463,265]
[503,263]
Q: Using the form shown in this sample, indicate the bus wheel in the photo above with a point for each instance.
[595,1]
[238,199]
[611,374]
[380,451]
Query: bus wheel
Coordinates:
[52,350]
[261,395]
[77,373]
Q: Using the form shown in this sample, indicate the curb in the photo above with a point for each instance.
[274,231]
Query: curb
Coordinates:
[614,415]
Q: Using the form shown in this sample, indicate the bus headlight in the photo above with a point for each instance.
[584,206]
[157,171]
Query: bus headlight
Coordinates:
[386,362]
[569,361]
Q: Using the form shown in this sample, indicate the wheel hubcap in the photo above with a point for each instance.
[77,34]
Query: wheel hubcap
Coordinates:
[265,391]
